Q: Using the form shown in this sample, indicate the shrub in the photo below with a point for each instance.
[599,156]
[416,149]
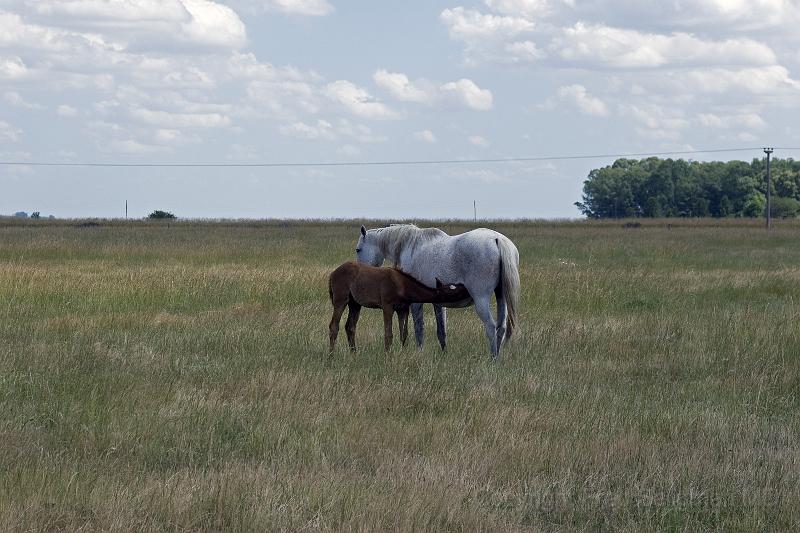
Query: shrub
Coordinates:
[784,207]
[161,215]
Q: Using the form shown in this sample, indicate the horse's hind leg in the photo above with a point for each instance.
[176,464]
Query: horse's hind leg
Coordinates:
[350,325]
[419,323]
[485,314]
[501,315]
[441,325]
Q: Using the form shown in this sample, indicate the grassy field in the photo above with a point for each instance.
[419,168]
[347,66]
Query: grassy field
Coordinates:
[176,377]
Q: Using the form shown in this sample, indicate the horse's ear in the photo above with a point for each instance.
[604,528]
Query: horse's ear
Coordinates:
[439,283]
[363,230]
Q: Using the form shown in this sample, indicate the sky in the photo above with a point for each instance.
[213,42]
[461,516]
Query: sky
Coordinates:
[244,82]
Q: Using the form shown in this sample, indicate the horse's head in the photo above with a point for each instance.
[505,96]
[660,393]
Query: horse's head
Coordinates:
[367,250]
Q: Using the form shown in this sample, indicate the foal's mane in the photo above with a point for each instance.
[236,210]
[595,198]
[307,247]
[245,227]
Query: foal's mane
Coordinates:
[394,239]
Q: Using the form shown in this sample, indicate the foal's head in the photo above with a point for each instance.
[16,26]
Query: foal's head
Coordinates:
[449,292]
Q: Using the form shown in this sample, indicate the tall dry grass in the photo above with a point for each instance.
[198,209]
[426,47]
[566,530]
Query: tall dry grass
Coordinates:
[175,377]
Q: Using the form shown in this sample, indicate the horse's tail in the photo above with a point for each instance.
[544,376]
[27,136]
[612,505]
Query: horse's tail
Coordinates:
[509,279]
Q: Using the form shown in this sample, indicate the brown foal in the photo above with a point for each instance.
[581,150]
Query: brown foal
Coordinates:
[356,285]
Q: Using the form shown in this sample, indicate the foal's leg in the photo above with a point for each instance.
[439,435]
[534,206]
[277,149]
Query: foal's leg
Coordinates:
[350,325]
[485,314]
[441,325]
[333,328]
[501,315]
[388,311]
[402,324]
[419,323]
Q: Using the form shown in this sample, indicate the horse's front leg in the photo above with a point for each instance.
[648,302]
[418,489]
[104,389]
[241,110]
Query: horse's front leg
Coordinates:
[419,323]
[333,328]
[441,325]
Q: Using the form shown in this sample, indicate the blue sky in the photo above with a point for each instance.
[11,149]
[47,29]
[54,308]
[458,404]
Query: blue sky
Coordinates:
[250,81]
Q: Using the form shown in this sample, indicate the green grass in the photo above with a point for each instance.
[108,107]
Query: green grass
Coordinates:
[175,377]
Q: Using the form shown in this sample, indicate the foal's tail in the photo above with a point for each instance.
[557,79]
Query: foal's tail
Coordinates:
[509,278]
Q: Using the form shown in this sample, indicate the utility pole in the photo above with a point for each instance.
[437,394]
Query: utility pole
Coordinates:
[475,210]
[768,151]
[126,209]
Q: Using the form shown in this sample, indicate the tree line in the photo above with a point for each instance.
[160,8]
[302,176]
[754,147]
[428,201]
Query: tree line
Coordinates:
[655,187]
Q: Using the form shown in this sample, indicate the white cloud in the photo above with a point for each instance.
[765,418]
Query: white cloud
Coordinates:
[325,130]
[134,147]
[65,110]
[348,150]
[14,99]
[321,130]
[463,92]
[314,8]
[738,14]
[469,25]
[516,29]
[189,77]
[747,120]
[704,16]
[283,98]
[174,137]
[481,175]
[303,7]
[657,122]
[119,25]
[586,103]
[489,37]
[100,11]
[523,52]
[359,132]
[761,80]
[477,140]
[358,101]
[179,120]
[604,46]
[524,8]
[213,24]
[8,133]
[468,93]
[399,86]
[12,68]
[425,136]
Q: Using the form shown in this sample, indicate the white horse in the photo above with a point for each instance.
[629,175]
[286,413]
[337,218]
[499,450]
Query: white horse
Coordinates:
[484,260]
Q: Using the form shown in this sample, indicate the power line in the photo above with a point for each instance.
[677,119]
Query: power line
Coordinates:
[383,163]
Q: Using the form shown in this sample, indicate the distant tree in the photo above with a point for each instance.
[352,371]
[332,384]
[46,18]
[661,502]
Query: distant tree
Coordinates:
[21,214]
[654,187]
[700,207]
[754,205]
[36,214]
[786,183]
[161,215]
[784,207]
[725,206]
[653,208]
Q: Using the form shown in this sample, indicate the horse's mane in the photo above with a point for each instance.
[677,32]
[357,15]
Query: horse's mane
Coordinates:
[394,239]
